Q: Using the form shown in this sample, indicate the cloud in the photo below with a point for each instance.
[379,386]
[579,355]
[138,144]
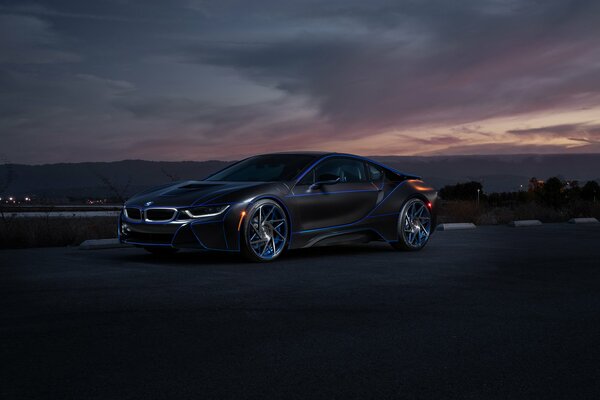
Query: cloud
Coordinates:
[471,64]
[560,130]
[40,10]
[434,140]
[578,132]
[29,40]
[217,78]
[118,86]
[272,122]
[512,148]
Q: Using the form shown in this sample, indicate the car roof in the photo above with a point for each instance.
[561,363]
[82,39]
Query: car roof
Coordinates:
[322,154]
[308,153]
[314,153]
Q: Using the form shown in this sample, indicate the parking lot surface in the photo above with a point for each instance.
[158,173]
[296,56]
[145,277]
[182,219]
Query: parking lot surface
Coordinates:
[490,313]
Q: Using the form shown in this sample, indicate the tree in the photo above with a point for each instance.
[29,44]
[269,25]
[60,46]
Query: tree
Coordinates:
[461,191]
[535,184]
[118,192]
[552,192]
[6,179]
[590,191]
[572,191]
[173,177]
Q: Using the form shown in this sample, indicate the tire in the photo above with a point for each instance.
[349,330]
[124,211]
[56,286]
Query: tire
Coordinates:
[265,233]
[414,226]
[161,251]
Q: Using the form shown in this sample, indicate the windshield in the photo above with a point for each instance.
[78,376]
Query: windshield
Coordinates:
[267,168]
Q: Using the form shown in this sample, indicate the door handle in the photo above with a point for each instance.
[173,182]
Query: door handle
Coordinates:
[379,189]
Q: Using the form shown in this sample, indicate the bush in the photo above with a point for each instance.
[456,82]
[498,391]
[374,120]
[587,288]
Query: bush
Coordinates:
[42,232]
[467,211]
[591,191]
[461,191]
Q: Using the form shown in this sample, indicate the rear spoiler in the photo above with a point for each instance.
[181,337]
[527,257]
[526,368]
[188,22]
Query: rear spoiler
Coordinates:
[408,176]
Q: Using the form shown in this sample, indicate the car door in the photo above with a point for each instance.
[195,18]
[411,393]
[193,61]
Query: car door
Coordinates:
[326,205]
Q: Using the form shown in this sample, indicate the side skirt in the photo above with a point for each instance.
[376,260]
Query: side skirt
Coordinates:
[364,235]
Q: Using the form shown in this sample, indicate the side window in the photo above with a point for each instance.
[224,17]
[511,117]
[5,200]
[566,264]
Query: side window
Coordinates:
[375,173]
[347,169]
[308,179]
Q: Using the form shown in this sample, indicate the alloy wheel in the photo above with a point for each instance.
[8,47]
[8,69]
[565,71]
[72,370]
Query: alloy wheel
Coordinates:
[415,224]
[267,231]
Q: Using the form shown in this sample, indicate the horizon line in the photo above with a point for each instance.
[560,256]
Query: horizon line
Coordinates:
[368,156]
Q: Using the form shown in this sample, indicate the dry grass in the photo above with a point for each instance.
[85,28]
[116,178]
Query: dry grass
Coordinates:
[467,211]
[43,232]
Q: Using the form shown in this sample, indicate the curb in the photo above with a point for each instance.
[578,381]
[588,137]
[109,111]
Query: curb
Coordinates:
[525,222]
[583,221]
[99,244]
[455,226]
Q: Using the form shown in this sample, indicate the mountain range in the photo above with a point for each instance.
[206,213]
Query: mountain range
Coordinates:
[497,173]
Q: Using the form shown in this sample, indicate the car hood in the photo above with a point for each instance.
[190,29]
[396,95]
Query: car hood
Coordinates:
[187,193]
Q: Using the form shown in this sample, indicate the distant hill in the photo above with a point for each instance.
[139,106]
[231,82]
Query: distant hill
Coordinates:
[498,173]
[81,180]
[98,179]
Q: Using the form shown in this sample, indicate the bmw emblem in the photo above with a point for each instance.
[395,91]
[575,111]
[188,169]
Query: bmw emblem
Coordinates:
[148,203]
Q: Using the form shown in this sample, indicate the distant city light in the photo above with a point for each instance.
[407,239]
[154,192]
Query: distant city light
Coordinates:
[99,201]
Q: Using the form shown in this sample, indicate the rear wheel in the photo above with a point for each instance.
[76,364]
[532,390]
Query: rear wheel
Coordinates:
[414,226]
[266,232]
[161,251]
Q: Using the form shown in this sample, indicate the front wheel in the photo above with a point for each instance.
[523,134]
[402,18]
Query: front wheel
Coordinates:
[266,232]
[414,226]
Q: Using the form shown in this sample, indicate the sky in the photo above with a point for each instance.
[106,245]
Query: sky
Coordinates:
[198,79]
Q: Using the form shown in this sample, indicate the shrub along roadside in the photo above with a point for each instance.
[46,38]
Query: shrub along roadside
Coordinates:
[468,211]
[553,200]
[43,232]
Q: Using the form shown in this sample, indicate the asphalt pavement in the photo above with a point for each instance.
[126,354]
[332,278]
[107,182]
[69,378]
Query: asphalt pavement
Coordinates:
[490,313]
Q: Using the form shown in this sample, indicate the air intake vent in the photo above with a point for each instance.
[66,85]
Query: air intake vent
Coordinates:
[160,214]
[195,186]
[133,213]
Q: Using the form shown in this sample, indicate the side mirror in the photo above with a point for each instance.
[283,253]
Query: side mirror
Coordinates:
[325,179]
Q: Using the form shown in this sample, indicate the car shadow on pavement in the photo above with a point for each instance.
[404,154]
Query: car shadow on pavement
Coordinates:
[182,258]
[194,257]
[337,250]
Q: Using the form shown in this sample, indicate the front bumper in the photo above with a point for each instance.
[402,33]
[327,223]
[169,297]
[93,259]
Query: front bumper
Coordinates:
[207,235]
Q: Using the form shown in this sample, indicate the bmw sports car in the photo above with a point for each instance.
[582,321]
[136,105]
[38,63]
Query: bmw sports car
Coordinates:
[264,205]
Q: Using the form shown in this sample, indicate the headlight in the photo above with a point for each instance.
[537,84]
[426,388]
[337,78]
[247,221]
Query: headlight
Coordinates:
[205,211]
